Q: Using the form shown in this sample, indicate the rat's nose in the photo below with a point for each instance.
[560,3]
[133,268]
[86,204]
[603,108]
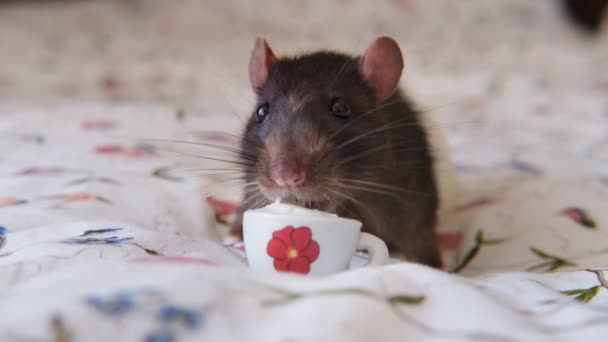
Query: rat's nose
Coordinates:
[286,172]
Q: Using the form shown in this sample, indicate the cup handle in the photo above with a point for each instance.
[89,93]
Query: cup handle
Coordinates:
[378,252]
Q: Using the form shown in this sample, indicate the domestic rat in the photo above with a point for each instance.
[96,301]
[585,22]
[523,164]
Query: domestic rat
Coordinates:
[334,132]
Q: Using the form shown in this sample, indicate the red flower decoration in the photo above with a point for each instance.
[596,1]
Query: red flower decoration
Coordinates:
[100,124]
[449,240]
[221,207]
[140,150]
[79,197]
[293,249]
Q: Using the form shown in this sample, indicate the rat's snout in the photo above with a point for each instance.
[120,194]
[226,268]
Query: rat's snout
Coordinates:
[288,172]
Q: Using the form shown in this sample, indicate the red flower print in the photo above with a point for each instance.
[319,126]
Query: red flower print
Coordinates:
[477,203]
[109,149]
[39,171]
[219,137]
[221,207]
[580,216]
[101,124]
[448,240]
[79,197]
[293,249]
[137,151]
[9,202]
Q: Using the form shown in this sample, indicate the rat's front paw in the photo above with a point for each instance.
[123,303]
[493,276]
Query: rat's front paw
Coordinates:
[236,232]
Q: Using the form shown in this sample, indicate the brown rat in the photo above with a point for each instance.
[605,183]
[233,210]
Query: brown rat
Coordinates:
[333,132]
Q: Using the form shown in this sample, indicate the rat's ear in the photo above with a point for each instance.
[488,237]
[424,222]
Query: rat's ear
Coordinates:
[260,63]
[381,67]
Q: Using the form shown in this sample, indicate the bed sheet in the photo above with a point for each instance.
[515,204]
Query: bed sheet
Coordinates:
[109,230]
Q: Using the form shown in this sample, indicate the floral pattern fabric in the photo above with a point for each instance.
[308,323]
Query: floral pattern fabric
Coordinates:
[112,217]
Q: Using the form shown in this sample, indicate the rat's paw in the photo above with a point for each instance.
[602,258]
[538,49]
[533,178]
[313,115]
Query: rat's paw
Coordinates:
[233,238]
[236,232]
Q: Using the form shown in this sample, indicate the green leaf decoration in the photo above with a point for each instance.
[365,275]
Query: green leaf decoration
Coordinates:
[479,241]
[288,296]
[584,295]
[405,299]
[573,292]
[555,262]
[587,296]
[580,216]
[493,242]
[479,237]
[351,291]
[180,114]
[467,259]
[164,173]
[589,223]
[540,253]
[560,263]
[104,200]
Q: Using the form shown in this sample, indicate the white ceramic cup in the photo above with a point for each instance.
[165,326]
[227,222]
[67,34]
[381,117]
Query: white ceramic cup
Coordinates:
[306,244]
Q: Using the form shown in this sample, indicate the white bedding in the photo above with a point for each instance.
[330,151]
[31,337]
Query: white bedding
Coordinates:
[106,236]
[101,241]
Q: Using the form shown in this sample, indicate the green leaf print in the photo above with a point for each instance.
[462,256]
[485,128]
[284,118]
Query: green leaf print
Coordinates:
[553,262]
[584,295]
[472,253]
[286,296]
[405,299]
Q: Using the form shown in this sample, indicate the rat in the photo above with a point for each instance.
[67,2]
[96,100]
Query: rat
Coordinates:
[334,132]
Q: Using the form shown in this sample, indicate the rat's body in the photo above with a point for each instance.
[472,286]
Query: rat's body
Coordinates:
[333,132]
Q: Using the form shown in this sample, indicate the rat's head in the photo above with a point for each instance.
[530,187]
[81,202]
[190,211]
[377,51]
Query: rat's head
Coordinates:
[309,133]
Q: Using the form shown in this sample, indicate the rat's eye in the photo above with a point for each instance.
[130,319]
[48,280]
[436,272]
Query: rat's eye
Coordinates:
[261,112]
[339,109]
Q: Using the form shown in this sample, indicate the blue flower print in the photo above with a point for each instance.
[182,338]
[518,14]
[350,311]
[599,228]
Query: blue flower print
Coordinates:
[116,305]
[2,237]
[162,335]
[113,240]
[100,231]
[190,319]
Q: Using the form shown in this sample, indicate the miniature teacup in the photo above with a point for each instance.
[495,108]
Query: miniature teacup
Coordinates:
[286,238]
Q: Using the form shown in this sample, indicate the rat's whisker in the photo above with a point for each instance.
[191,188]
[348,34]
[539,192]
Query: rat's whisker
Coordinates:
[370,190]
[207,133]
[227,180]
[380,185]
[211,169]
[216,174]
[360,205]
[382,129]
[201,172]
[261,202]
[252,191]
[369,186]
[363,154]
[251,199]
[389,103]
[378,149]
[378,129]
[236,162]
[236,151]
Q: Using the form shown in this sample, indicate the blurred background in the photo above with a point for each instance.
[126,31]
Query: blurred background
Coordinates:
[196,51]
